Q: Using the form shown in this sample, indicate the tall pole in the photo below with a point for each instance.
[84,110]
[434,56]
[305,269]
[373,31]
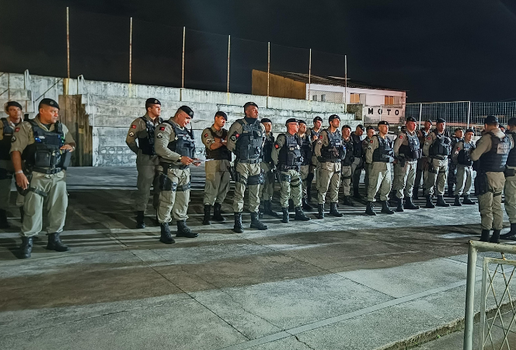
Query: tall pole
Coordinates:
[68,41]
[469,113]
[229,56]
[345,82]
[130,50]
[309,74]
[183,60]
[268,70]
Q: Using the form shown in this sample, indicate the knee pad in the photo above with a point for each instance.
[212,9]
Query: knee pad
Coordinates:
[256,179]
[241,179]
[165,184]
[183,187]
[286,178]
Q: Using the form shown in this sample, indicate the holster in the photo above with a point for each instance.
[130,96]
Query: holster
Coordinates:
[481,185]
[508,172]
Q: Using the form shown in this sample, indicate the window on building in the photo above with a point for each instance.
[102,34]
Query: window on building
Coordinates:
[323,97]
[390,100]
[354,98]
[314,97]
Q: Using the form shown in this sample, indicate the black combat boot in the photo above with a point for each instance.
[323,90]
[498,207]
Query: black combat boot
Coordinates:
[306,205]
[261,209]
[139,219]
[386,209]
[429,203]
[399,208]
[369,209]
[184,231]
[415,192]
[511,234]
[166,236]
[441,202]
[484,237]
[207,213]
[26,248]
[495,238]
[238,223]
[268,209]
[54,243]
[290,205]
[409,204]
[467,200]
[256,223]
[450,191]
[320,211]
[3,219]
[285,217]
[334,211]
[217,213]
[300,216]
[347,201]
[457,202]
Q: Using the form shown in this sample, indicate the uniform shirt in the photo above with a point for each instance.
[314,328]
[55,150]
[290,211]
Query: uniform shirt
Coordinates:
[137,130]
[2,127]
[209,134]
[163,136]
[323,141]
[4,163]
[23,135]
[236,127]
[459,145]
[429,140]
[373,144]
[402,140]
[484,144]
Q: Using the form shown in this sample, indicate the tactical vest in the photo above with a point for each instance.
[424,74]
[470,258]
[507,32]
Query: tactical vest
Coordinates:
[357,143]
[267,148]
[290,154]
[335,150]
[384,153]
[306,150]
[221,153]
[350,152]
[248,146]
[412,151]
[463,156]
[511,160]
[183,143]
[146,144]
[44,155]
[5,144]
[441,147]
[496,159]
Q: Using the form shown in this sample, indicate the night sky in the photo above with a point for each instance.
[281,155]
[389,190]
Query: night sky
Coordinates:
[437,50]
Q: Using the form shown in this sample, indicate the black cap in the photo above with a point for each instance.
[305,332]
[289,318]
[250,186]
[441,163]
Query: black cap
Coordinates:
[250,104]
[187,110]
[152,101]
[411,119]
[222,114]
[440,120]
[473,131]
[383,122]
[370,127]
[491,119]
[265,120]
[429,120]
[301,121]
[358,126]
[48,102]
[512,122]
[333,116]
[457,129]
[12,104]
[317,118]
[290,120]
[346,126]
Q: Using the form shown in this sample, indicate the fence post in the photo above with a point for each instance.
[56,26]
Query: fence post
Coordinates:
[470,298]
[420,113]
[469,113]
[229,57]
[182,67]
[309,74]
[268,71]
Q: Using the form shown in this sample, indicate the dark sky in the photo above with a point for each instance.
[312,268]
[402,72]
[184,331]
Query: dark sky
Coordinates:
[441,50]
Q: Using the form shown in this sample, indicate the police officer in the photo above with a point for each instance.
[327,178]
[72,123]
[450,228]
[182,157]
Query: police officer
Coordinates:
[45,145]
[140,139]
[422,164]
[315,132]
[358,161]
[306,153]
[380,155]
[329,151]
[491,156]
[217,167]
[246,139]
[452,169]
[347,164]
[437,148]
[7,125]
[175,148]
[267,166]
[407,151]
[510,181]
[463,165]
[288,158]
[370,132]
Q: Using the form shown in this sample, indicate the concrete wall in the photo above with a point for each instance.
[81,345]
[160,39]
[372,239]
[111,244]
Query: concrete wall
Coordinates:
[278,86]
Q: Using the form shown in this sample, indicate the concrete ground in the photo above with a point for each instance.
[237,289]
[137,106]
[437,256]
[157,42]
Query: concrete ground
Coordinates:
[356,282]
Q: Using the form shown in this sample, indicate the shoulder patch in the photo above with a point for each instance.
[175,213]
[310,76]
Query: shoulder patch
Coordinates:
[276,145]
[401,137]
[159,136]
[13,138]
[320,137]
[162,128]
[133,126]
[206,135]
[17,129]
[429,138]
[131,134]
[371,141]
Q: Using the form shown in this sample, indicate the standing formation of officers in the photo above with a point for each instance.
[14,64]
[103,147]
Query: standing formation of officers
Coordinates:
[37,152]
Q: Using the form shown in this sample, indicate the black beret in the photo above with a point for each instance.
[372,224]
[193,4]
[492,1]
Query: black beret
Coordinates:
[440,120]
[491,119]
[317,118]
[250,104]
[457,129]
[333,116]
[12,104]
[290,120]
[360,126]
[347,126]
[512,122]
[221,114]
[265,120]
[48,102]
[411,119]
[301,121]
[383,122]
[187,110]
[152,101]
[473,131]
[370,127]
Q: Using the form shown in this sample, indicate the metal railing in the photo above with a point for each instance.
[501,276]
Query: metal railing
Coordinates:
[501,300]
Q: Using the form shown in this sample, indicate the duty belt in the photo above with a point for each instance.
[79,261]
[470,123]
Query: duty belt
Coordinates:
[289,167]
[167,166]
[331,161]
[250,161]
[49,171]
